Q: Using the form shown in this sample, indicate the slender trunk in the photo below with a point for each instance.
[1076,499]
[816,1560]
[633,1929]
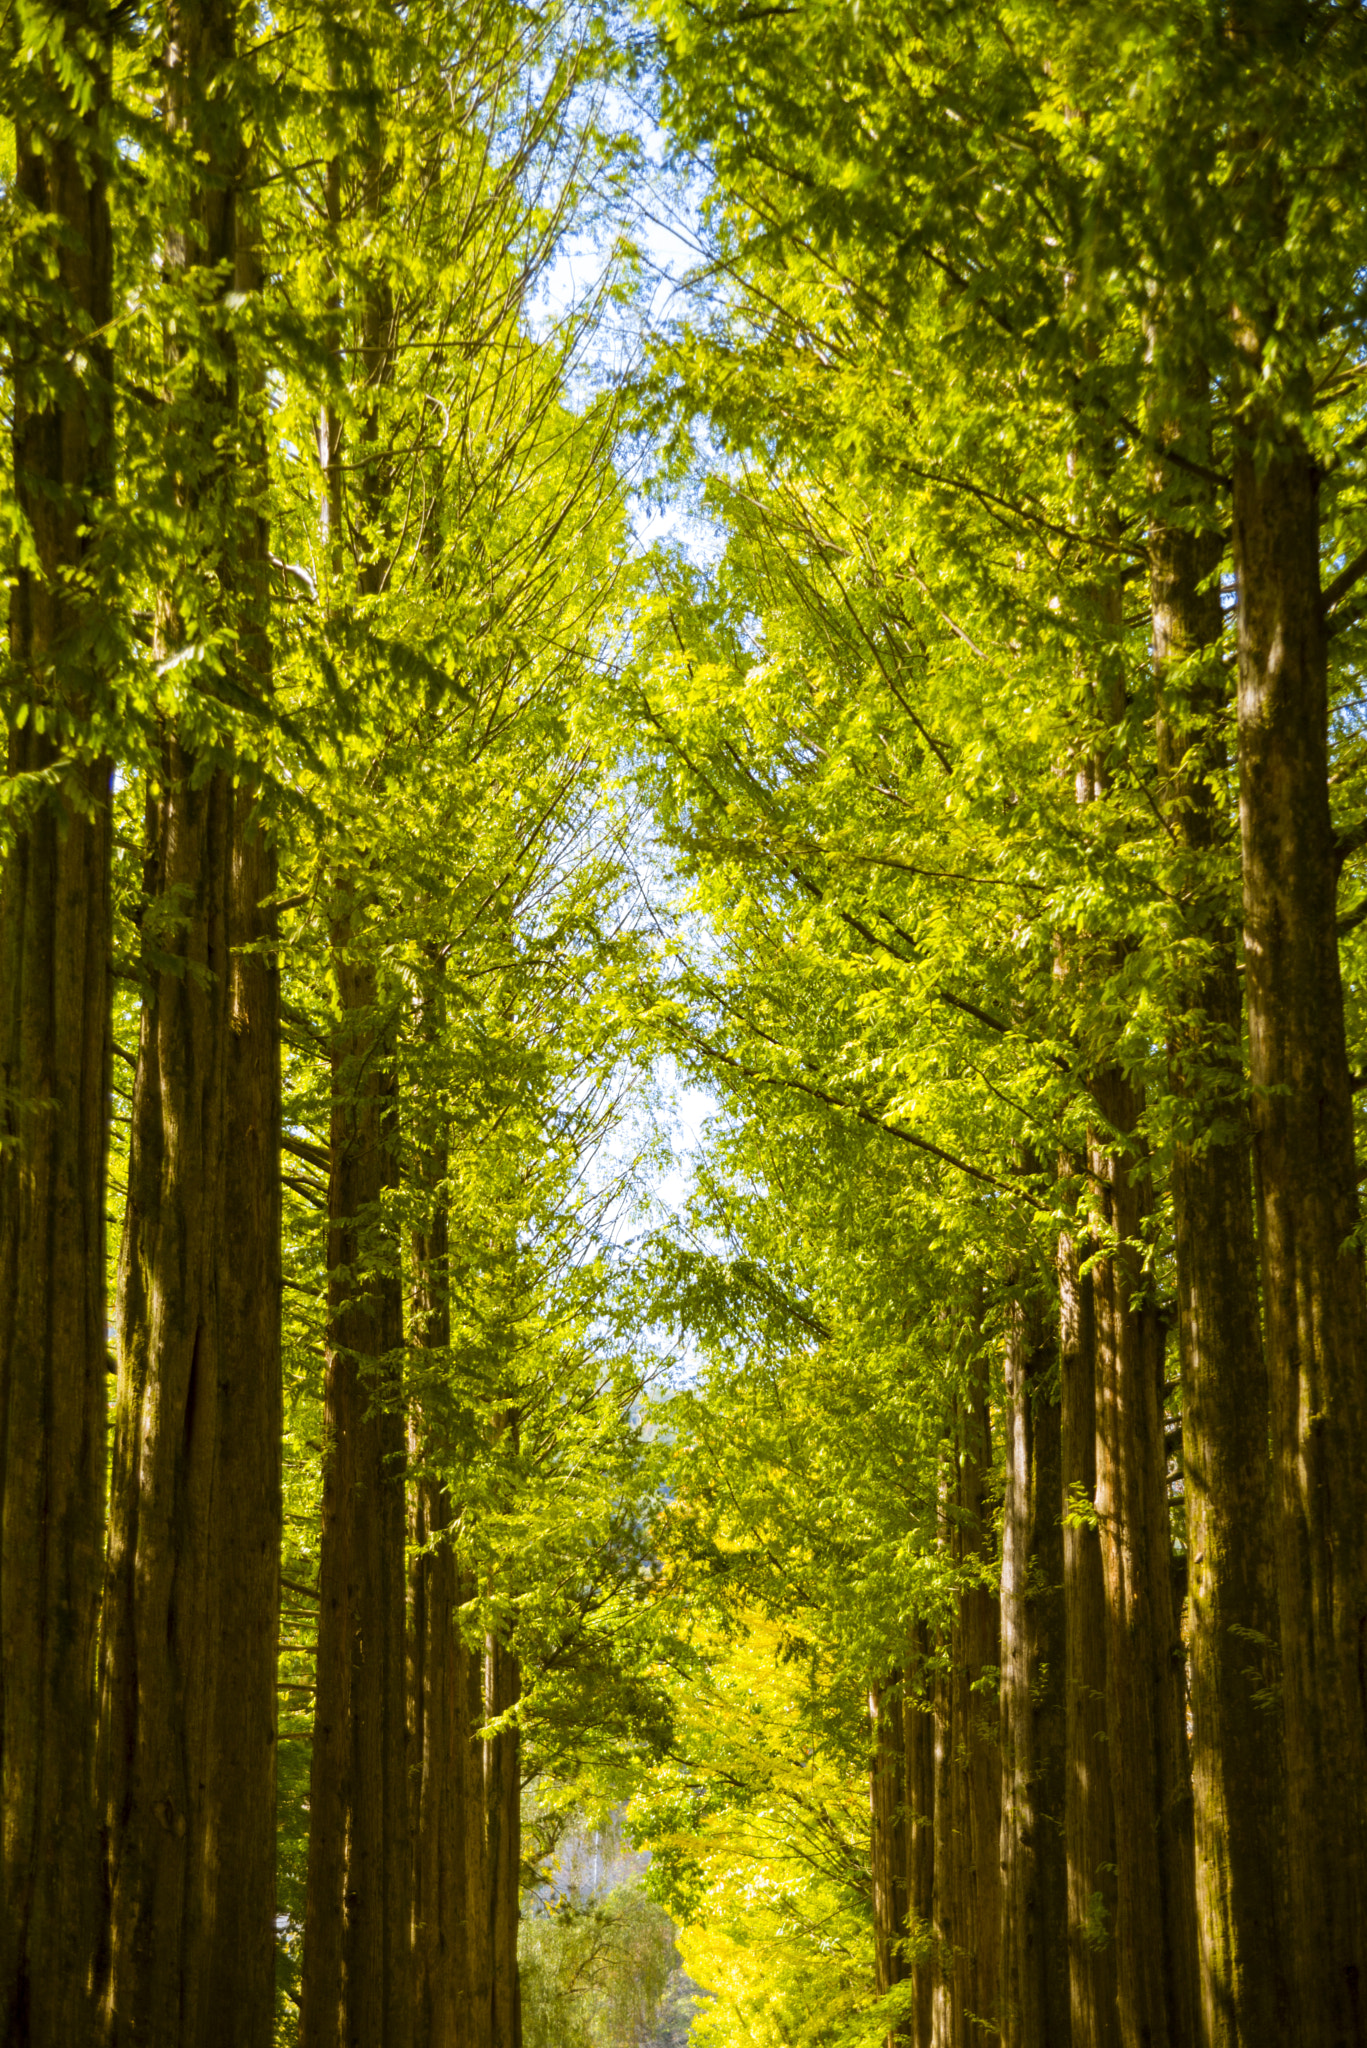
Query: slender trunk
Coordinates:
[888,1858]
[1034,1947]
[968,1756]
[1306,1179]
[434,1708]
[918,1740]
[357,1985]
[438,1730]
[450,1881]
[1088,1812]
[323,1991]
[239,2002]
[503,1796]
[472,1756]
[54,1053]
[1236,1749]
[1155,1904]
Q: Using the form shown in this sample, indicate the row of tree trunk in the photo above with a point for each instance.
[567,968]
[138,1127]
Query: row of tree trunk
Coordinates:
[414,1854]
[1015,1746]
[138,1692]
[136,1874]
[1181,1809]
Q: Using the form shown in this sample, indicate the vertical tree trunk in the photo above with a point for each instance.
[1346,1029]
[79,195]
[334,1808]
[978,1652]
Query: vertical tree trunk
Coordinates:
[967,1880]
[357,1981]
[503,1792]
[1236,1749]
[191,1596]
[888,1858]
[54,1051]
[239,2001]
[441,1966]
[479,2005]
[1155,1901]
[946,1884]
[451,1908]
[1088,1813]
[1034,1944]
[323,1990]
[435,1709]
[918,1741]
[1306,1179]
[977,1659]
[160,1605]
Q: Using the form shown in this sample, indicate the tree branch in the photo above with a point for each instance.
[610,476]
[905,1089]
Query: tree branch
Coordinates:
[1334,593]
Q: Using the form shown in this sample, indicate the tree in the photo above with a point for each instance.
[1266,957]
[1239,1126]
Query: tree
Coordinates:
[60,718]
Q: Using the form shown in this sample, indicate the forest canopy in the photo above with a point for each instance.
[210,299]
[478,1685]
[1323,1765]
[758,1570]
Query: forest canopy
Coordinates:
[683,1011]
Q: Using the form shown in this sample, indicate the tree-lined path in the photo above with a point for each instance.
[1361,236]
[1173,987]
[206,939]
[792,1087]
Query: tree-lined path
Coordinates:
[895,1572]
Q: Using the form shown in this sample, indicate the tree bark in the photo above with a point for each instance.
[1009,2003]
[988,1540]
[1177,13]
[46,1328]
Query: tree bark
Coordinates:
[54,1049]
[1034,1942]
[451,1906]
[1088,1812]
[503,1795]
[438,1724]
[1155,1892]
[357,1978]
[888,1847]
[435,1707]
[160,1605]
[918,1742]
[1307,1204]
[1237,1771]
[967,1883]
[472,1754]
[191,1592]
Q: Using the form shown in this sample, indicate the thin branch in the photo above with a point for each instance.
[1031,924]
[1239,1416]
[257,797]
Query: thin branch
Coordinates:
[1335,592]
[1349,841]
[312,1155]
[867,1116]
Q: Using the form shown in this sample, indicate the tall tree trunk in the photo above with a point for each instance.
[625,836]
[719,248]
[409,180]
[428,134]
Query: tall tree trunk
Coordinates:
[239,2003]
[1236,1748]
[472,1754]
[946,1885]
[323,1989]
[503,1794]
[1034,1943]
[435,1710]
[1155,1900]
[968,1755]
[160,1608]
[1306,1180]
[888,1858]
[1088,1812]
[918,1743]
[442,1813]
[192,1591]
[451,1909]
[357,1979]
[54,1045]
